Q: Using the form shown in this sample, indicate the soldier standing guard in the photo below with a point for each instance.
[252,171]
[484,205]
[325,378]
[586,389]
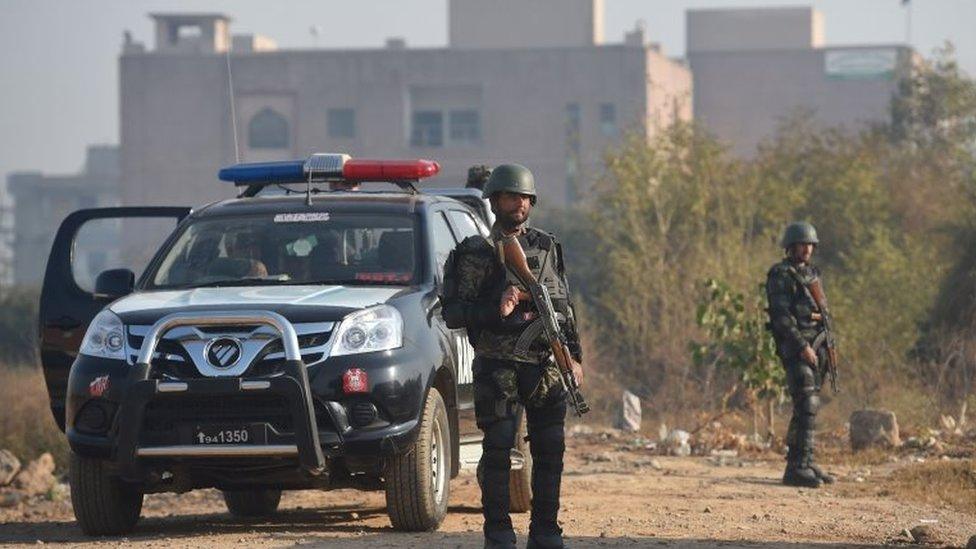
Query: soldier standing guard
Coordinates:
[477,177]
[482,295]
[797,324]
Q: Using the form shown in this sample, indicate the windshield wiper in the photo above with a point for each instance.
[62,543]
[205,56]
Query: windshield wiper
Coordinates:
[248,281]
[348,282]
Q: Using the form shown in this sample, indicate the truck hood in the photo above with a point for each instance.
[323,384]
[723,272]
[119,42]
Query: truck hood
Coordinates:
[296,303]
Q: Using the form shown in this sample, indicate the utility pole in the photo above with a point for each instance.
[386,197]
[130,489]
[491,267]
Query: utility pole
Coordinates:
[907,4]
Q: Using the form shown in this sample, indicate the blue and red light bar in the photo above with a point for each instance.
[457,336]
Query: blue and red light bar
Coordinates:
[329,167]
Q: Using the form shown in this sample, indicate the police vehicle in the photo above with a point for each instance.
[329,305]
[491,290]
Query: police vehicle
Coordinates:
[290,338]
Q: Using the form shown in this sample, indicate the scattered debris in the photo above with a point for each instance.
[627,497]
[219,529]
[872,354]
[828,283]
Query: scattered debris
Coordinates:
[38,477]
[874,428]
[10,499]
[677,443]
[925,534]
[9,466]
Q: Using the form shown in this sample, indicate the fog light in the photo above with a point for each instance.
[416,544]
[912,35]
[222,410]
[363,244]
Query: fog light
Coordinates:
[355,381]
[95,417]
[362,414]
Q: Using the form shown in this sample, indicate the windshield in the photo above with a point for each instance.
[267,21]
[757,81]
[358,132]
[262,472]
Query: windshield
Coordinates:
[291,248]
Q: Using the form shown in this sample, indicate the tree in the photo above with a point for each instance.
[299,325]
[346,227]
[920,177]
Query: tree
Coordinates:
[739,342]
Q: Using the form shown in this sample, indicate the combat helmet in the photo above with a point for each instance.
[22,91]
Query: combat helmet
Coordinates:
[799,232]
[512,178]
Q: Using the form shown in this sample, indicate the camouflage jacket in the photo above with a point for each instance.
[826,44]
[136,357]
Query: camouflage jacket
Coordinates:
[791,307]
[474,280]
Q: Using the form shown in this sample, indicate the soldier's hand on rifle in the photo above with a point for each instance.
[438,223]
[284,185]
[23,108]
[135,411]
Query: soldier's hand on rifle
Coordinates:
[577,372]
[809,356]
[510,300]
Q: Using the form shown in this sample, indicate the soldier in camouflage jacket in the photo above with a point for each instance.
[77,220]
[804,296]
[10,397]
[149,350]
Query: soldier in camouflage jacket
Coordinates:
[796,323]
[509,372]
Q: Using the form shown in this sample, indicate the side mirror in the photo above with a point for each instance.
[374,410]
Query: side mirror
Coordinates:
[115,283]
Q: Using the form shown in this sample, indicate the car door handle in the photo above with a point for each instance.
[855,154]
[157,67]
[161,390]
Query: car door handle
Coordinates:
[64,323]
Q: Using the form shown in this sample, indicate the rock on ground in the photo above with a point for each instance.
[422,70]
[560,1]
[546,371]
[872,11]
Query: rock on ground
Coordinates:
[9,467]
[874,428]
[37,477]
[972,543]
[630,413]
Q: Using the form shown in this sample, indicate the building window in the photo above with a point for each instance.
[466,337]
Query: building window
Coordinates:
[608,119]
[465,126]
[268,130]
[342,123]
[427,129]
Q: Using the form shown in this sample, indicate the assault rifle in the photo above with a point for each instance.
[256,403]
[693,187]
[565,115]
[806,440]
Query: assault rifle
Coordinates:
[820,298]
[515,260]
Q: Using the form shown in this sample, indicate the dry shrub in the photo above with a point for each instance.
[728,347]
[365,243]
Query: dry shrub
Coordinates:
[26,426]
[951,483]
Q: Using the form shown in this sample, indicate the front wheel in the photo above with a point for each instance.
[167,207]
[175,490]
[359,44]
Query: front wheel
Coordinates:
[417,482]
[103,504]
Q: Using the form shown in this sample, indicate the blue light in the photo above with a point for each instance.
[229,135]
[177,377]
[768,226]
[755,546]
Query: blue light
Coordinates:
[291,171]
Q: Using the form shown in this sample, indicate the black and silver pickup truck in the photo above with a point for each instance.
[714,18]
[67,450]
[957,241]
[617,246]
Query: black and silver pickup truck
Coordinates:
[289,338]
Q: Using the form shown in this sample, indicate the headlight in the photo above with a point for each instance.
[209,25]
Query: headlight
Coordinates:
[105,337]
[378,328]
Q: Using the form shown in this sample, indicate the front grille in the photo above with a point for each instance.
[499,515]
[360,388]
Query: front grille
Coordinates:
[167,414]
[173,361]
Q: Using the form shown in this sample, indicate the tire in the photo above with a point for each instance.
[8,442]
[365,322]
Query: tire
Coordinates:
[418,483]
[259,502]
[103,504]
[520,481]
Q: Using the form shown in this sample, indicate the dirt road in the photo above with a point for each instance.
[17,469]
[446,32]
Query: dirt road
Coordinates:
[611,499]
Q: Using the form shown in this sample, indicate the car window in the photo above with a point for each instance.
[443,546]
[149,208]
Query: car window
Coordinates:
[465,224]
[443,240]
[291,248]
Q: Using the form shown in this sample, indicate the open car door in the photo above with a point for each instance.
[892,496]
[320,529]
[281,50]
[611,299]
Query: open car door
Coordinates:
[87,243]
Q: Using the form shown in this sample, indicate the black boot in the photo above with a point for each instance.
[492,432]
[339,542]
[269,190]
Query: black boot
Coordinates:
[798,475]
[824,477]
[545,541]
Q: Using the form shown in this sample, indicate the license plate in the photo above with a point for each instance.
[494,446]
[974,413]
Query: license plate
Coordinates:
[229,434]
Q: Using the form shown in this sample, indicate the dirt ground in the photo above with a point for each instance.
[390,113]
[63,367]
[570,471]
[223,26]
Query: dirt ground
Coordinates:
[612,498]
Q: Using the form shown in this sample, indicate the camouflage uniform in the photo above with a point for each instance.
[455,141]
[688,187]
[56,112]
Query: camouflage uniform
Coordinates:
[791,310]
[507,377]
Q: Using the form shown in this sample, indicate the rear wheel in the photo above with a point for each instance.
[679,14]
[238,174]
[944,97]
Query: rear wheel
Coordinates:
[418,482]
[259,502]
[520,481]
[103,504]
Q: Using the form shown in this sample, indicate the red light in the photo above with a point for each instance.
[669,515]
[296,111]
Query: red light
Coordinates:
[389,170]
[355,380]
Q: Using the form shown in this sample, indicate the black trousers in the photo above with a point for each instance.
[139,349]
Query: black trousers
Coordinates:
[804,382]
[497,409]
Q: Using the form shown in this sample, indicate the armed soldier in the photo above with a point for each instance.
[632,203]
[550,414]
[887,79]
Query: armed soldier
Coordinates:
[800,324]
[477,177]
[482,294]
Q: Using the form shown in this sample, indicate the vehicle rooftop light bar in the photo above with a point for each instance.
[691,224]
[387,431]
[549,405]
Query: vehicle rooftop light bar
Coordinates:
[328,167]
[389,170]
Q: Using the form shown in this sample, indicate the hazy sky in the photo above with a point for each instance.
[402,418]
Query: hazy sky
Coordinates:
[58,58]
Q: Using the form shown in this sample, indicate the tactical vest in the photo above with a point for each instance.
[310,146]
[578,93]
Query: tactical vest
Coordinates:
[803,305]
[542,256]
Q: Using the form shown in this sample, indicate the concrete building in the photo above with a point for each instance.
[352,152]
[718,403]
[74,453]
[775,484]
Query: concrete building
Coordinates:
[6,239]
[551,95]
[41,202]
[753,67]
